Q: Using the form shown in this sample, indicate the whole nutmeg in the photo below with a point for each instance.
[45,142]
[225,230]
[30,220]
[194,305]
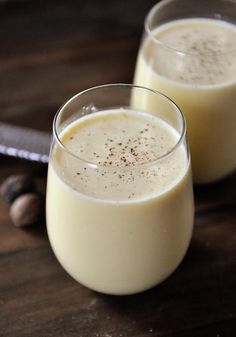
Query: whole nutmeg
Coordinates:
[16,185]
[27,209]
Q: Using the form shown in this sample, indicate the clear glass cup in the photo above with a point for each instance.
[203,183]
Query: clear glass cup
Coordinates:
[188,52]
[119,202]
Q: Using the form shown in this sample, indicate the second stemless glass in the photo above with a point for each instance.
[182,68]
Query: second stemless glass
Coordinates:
[118,218]
[188,52]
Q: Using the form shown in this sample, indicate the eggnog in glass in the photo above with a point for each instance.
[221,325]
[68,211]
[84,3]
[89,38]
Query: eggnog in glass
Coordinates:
[119,192]
[188,52]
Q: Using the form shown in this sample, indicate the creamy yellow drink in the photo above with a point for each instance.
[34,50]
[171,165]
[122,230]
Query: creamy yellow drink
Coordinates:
[118,219]
[193,61]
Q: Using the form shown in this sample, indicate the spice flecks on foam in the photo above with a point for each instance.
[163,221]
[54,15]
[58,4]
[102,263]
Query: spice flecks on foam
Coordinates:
[123,146]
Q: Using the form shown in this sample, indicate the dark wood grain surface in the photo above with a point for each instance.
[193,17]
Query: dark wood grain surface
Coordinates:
[49,51]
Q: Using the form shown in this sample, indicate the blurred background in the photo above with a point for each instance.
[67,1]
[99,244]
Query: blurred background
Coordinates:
[52,49]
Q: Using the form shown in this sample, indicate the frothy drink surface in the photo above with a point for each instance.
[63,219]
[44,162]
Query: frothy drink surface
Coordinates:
[210,45]
[122,147]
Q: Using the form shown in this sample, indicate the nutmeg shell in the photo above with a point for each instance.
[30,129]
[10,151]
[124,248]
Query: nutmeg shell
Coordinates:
[15,185]
[27,209]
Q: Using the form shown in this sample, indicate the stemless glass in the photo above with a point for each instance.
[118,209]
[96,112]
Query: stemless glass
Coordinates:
[119,191]
[188,52]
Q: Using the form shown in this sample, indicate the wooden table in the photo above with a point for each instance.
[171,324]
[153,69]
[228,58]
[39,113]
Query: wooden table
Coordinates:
[49,51]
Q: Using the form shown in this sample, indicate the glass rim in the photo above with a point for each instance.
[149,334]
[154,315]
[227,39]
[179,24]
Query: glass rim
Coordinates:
[91,164]
[149,31]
